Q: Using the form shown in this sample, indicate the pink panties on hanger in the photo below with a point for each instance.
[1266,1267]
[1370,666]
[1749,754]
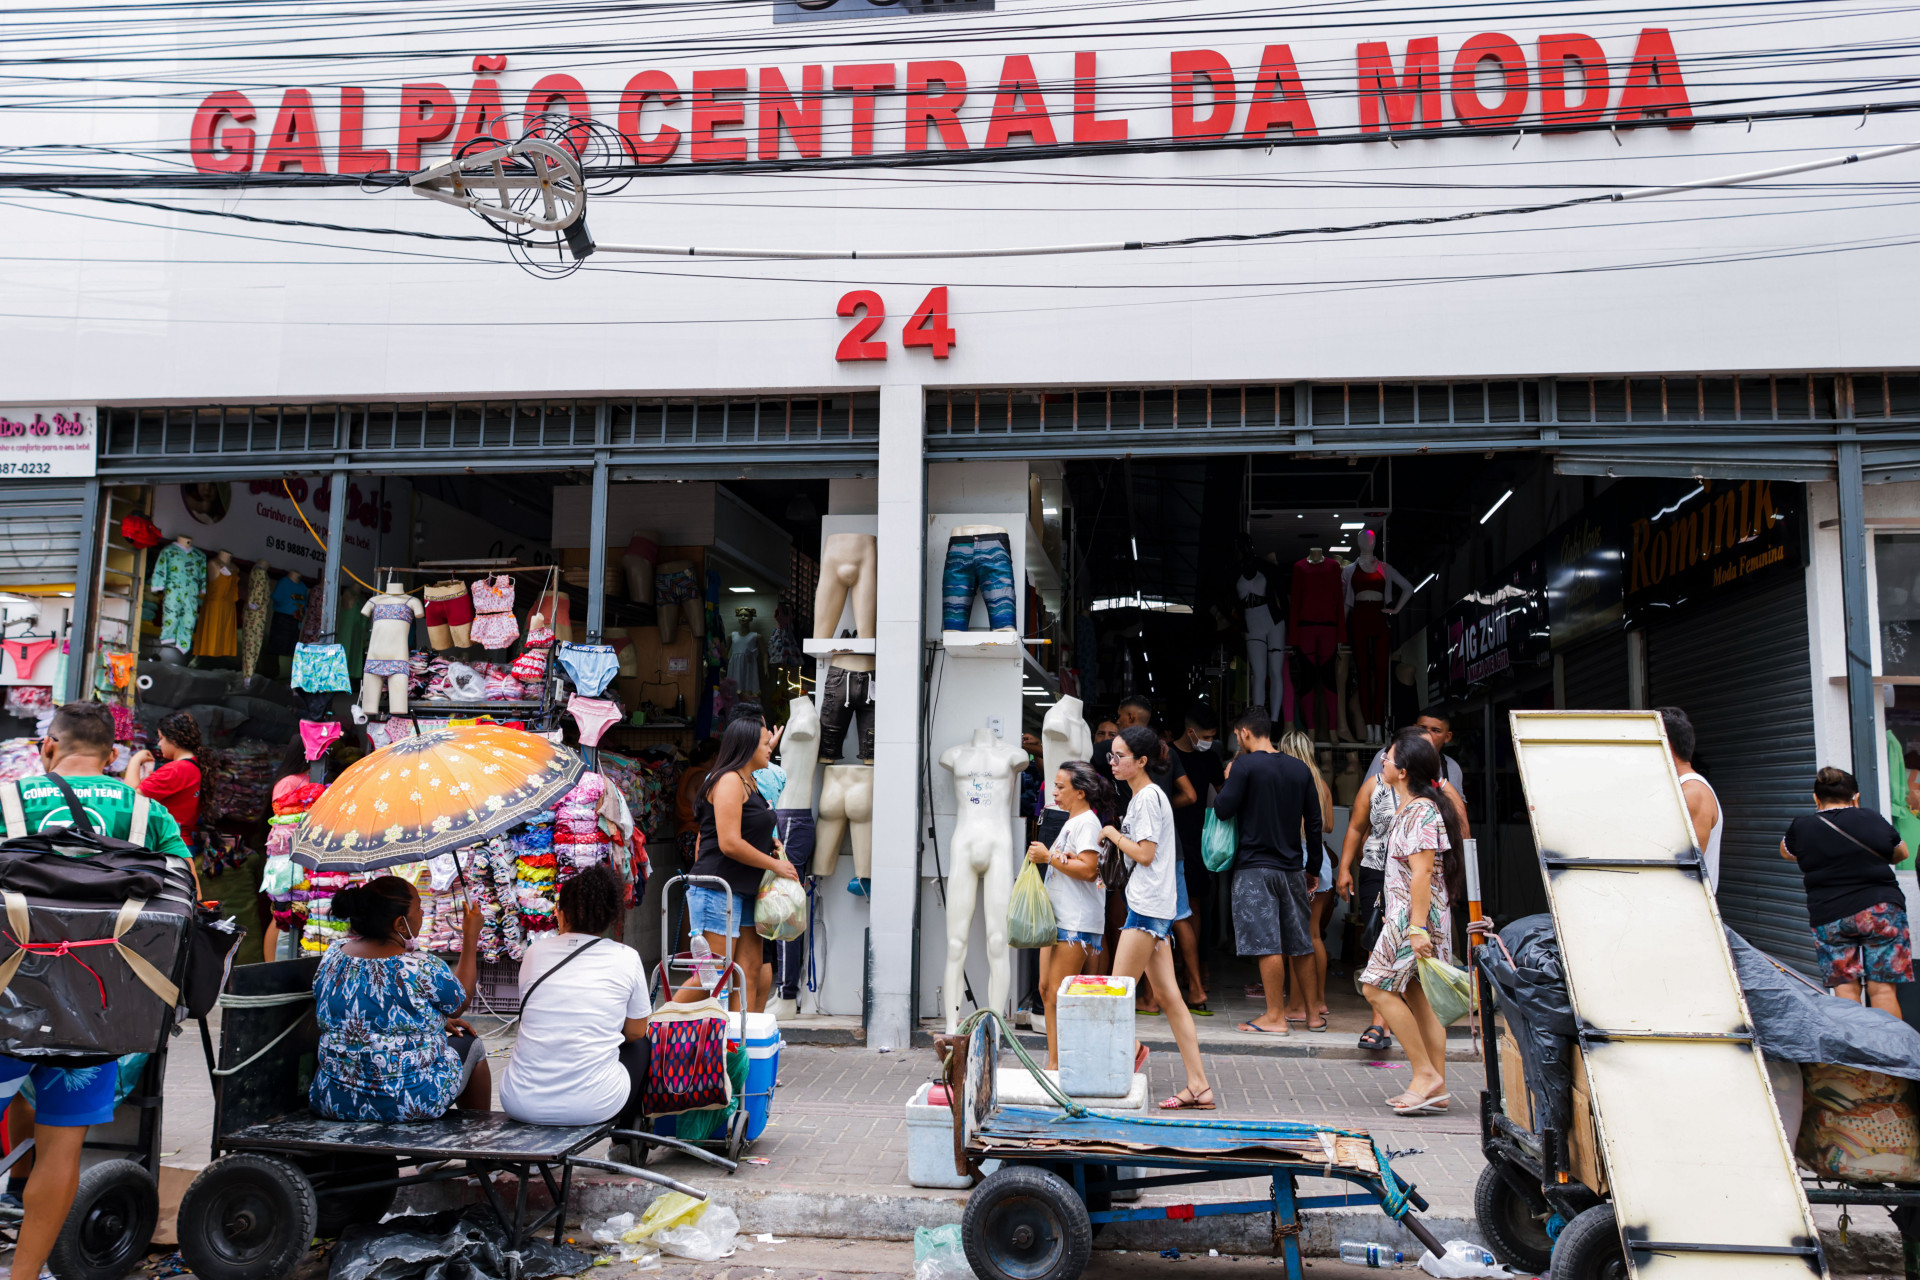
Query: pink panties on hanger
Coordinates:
[593,715]
[318,736]
[26,654]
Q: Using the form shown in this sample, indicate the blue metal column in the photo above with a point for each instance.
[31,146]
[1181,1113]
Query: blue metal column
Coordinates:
[336,541]
[1286,1223]
[1856,594]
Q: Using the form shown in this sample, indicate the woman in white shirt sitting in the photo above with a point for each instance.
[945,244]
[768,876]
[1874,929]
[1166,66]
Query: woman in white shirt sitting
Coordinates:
[581,1057]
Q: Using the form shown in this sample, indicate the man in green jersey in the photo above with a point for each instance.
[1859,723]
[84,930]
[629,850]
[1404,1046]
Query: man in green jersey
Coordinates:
[78,746]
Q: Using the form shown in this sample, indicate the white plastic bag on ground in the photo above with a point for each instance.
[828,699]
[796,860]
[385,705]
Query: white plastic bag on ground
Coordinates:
[707,1238]
[1463,1260]
[939,1255]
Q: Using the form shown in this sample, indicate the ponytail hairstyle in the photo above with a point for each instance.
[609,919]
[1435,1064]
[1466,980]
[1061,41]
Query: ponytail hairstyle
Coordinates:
[1098,791]
[372,909]
[1414,752]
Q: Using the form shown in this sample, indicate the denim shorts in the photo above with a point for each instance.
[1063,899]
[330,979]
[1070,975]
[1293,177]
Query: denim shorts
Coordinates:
[1148,924]
[1091,941]
[707,911]
[1182,905]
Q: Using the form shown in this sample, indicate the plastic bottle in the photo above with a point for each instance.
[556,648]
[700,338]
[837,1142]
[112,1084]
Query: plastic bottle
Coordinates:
[1468,1252]
[1369,1254]
[704,961]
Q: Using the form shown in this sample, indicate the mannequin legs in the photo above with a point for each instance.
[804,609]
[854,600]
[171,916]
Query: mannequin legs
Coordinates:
[1342,668]
[396,694]
[1313,669]
[1279,688]
[1257,668]
[848,563]
[667,618]
[963,887]
[1367,629]
[846,808]
[860,822]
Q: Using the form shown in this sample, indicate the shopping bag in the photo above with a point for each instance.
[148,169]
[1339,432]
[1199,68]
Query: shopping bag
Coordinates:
[1449,991]
[780,912]
[1030,915]
[1219,840]
[687,1064]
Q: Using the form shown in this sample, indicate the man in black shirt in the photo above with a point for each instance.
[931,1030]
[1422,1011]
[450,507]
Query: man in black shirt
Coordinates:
[1200,756]
[1859,916]
[1272,797]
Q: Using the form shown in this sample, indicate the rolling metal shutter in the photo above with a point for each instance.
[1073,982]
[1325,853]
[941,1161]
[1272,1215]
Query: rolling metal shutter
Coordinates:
[1740,671]
[40,525]
[1595,674]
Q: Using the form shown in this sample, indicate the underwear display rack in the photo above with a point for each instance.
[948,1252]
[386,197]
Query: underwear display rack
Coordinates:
[541,714]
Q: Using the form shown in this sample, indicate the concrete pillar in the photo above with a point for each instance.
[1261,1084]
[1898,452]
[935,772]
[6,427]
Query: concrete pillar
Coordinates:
[86,581]
[1856,590]
[336,547]
[898,749]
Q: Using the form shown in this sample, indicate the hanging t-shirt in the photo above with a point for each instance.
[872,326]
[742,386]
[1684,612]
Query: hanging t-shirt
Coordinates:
[109,806]
[1150,887]
[566,1067]
[1079,906]
[1842,878]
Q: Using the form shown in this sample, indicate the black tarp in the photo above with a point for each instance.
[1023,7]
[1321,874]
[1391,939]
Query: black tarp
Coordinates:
[459,1244]
[1793,1020]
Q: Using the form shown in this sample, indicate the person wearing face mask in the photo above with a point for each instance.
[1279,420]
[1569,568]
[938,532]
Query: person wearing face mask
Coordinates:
[1200,754]
[391,1048]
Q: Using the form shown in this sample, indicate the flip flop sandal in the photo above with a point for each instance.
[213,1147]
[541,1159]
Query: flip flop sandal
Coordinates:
[1189,1103]
[1249,1026]
[1200,1010]
[1375,1038]
[1322,1027]
[1149,1013]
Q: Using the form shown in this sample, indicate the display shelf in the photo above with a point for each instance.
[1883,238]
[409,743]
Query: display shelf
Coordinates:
[416,706]
[839,644]
[983,644]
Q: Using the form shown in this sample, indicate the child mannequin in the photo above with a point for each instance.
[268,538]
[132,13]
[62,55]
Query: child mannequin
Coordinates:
[388,646]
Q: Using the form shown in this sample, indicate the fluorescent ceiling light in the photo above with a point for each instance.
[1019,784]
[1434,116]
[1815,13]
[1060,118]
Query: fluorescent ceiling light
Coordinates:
[1423,582]
[1496,506]
[1299,517]
[741,590]
[1339,548]
[1355,524]
[1135,544]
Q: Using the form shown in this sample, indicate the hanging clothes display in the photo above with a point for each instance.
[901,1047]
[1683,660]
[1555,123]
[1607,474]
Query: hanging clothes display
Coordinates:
[181,573]
[494,626]
[217,635]
[254,615]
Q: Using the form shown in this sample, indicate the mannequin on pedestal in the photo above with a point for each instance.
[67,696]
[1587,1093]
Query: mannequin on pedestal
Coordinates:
[984,772]
[1374,591]
[1064,736]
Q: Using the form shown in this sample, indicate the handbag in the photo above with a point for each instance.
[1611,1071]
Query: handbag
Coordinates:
[687,1059]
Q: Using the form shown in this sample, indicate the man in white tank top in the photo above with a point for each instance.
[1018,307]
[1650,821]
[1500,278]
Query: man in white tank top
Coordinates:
[1703,806]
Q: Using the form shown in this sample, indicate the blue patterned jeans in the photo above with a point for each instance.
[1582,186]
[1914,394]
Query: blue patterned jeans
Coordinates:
[983,563]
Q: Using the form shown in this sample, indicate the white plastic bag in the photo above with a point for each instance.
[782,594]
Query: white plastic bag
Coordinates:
[1464,1260]
[938,1254]
[709,1237]
[780,912]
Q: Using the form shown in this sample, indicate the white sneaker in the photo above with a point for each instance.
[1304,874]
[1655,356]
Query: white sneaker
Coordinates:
[780,1008]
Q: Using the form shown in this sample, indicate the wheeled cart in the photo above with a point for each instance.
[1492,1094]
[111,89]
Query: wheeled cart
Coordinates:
[1034,1217]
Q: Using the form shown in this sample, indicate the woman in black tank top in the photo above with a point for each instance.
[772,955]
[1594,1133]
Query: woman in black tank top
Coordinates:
[738,845]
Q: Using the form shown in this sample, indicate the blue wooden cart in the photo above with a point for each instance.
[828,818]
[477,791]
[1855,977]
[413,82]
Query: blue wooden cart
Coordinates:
[1034,1217]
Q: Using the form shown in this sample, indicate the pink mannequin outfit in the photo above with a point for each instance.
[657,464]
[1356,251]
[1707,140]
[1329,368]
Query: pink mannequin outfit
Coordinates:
[1317,618]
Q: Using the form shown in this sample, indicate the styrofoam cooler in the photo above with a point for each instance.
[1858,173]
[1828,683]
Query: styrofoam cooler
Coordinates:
[763,1045]
[1096,1036]
[930,1144]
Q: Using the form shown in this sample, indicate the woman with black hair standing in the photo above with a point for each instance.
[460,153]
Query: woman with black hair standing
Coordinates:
[1074,888]
[390,1045]
[581,1056]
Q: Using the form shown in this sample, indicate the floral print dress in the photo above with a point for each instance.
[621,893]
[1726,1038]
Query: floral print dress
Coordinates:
[383,1038]
[1416,826]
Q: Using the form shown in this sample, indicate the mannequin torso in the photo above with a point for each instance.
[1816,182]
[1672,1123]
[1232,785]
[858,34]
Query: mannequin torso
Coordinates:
[1064,736]
[1253,594]
[983,781]
[799,753]
[848,568]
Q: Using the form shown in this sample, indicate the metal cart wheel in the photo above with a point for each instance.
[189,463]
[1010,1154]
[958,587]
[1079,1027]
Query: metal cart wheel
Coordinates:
[111,1225]
[737,1134]
[1589,1248]
[247,1217]
[1515,1225]
[1025,1223]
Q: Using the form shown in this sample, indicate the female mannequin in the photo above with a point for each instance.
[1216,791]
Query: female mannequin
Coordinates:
[388,647]
[675,592]
[181,573]
[1374,591]
[217,636]
[746,656]
[1266,638]
[253,626]
[983,771]
[637,562]
[1319,619]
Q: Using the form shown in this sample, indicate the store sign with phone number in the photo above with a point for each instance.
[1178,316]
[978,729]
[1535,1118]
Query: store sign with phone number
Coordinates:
[45,441]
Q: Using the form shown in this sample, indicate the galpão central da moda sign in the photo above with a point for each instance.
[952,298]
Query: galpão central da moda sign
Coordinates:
[1021,100]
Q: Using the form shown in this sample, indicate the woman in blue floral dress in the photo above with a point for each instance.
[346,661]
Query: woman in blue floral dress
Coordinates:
[390,1045]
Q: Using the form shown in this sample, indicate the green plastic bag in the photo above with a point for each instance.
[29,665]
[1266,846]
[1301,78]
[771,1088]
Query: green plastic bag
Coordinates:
[1449,991]
[1030,914]
[1219,840]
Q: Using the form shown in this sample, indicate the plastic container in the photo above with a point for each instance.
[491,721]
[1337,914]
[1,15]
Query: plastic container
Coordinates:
[1369,1255]
[763,1046]
[930,1144]
[1096,1037]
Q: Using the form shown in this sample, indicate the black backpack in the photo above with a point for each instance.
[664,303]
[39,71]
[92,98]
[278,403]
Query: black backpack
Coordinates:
[79,863]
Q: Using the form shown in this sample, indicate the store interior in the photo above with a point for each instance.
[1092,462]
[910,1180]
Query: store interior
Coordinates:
[1203,583]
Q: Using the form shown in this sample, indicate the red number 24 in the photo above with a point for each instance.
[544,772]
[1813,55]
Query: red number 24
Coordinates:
[928,326]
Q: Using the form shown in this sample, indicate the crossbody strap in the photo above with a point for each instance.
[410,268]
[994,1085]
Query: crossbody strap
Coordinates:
[573,955]
[16,813]
[1835,827]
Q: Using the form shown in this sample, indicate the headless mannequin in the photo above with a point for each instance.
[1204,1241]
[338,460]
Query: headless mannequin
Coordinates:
[799,753]
[443,636]
[846,810]
[983,782]
[1375,591]
[847,569]
[387,643]
[637,560]
[1317,642]
[1266,637]
[669,612]
[1064,736]
[980,531]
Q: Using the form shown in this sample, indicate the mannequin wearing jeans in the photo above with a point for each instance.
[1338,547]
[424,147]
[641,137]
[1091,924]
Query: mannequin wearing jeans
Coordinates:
[983,771]
[1374,592]
[387,649]
[848,568]
[793,818]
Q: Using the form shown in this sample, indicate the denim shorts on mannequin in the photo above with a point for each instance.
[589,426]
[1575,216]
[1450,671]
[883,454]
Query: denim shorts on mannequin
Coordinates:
[980,562]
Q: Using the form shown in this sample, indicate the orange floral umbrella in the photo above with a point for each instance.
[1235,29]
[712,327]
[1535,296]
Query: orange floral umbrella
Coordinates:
[431,794]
